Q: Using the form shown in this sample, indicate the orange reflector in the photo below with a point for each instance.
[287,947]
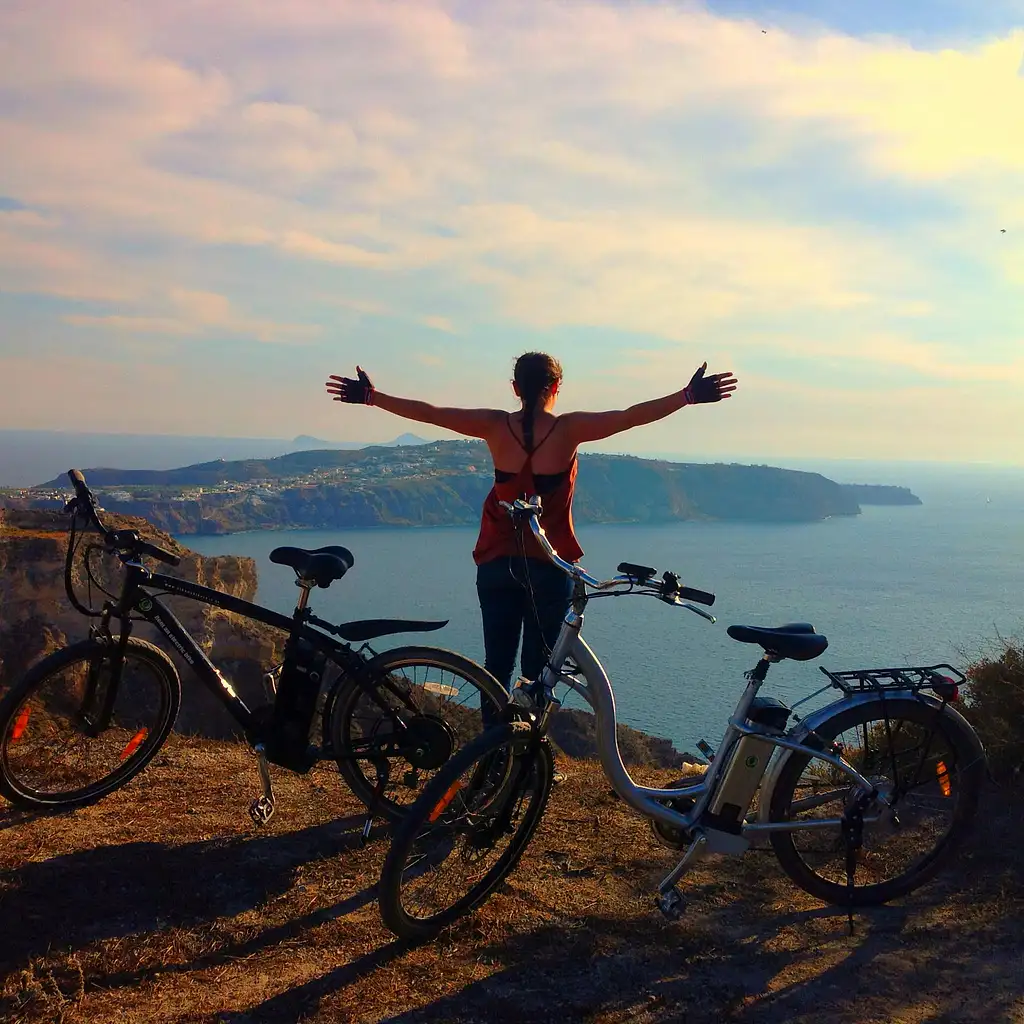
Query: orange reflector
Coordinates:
[942,774]
[134,743]
[453,790]
[20,723]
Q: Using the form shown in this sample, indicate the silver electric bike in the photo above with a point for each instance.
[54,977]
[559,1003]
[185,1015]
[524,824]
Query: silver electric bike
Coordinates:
[862,800]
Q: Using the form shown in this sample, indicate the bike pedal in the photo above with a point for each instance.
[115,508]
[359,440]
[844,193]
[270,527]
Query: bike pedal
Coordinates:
[261,810]
[671,904]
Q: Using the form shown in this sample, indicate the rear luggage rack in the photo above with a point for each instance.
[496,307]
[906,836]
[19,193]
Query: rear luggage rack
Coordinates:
[943,679]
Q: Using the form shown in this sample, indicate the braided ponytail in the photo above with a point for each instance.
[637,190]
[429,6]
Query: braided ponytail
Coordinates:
[535,374]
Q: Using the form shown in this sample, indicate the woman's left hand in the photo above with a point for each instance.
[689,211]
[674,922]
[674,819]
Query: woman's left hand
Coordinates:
[703,389]
[358,391]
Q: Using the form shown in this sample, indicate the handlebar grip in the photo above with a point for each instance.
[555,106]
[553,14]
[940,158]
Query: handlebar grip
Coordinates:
[700,596]
[78,481]
[158,553]
[87,503]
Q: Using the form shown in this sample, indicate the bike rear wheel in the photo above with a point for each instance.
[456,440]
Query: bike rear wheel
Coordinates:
[466,832]
[927,761]
[412,710]
[75,728]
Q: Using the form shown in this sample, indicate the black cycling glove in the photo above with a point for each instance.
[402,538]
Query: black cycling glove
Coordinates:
[356,392]
[703,389]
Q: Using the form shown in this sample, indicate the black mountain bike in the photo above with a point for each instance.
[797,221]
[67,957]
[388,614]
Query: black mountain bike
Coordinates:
[89,717]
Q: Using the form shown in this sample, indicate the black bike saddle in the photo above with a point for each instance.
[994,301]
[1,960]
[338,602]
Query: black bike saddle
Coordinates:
[796,640]
[321,565]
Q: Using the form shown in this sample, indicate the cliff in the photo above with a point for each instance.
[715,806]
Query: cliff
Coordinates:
[36,617]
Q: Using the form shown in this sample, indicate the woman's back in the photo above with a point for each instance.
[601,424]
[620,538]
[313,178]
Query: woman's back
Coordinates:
[553,446]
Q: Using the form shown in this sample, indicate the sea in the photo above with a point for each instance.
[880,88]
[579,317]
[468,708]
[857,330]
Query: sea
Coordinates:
[942,582]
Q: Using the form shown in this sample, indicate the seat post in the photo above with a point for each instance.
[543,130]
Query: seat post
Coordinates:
[305,586]
[759,672]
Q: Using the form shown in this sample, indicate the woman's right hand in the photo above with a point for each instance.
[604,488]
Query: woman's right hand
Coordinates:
[357,391]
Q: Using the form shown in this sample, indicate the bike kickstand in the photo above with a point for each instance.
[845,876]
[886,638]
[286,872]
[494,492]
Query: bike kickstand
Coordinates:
[378,792]
[261,810]
[669,900]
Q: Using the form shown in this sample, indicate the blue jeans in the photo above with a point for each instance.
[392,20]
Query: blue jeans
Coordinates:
[504,587]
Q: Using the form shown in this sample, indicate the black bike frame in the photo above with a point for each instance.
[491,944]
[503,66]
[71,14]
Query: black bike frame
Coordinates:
[135,598]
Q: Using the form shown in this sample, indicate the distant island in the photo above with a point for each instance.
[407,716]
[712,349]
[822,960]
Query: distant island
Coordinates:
[443,483]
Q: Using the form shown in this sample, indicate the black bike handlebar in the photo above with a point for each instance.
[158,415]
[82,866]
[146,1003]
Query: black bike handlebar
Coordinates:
[117,540]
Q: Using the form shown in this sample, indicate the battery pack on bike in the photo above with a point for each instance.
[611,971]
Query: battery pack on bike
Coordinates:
[288,740]
[747,764]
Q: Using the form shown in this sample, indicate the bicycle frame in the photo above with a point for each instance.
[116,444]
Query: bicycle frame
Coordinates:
[136,598]
[597,692]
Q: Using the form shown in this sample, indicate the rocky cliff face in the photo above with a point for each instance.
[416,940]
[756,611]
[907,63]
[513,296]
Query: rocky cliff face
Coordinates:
[37,618]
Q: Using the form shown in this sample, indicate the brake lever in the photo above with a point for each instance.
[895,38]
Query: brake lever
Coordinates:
[694,608]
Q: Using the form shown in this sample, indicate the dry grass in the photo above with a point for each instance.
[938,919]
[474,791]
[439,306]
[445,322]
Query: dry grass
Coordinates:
[163,904]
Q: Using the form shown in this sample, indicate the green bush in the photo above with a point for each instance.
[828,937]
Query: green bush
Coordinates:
[994,703]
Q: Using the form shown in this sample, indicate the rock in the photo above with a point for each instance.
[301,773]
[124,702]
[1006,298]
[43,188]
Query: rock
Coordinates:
[574,733]
[36,617]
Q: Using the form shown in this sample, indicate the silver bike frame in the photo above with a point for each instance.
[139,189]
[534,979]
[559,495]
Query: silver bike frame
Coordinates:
[597,692]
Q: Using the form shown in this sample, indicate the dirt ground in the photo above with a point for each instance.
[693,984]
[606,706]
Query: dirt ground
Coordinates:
[163,903]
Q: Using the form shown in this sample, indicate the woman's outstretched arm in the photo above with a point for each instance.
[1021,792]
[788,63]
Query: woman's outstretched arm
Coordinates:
[360,391]
[592,426]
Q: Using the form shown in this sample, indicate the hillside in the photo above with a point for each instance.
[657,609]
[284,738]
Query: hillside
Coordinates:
[444,483]
[162,904]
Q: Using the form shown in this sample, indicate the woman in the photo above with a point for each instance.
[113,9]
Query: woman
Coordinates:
[534,452]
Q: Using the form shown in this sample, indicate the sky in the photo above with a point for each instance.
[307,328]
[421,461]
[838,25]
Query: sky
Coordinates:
[207,207]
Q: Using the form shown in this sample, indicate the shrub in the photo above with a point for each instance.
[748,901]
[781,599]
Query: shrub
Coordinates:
[994,703]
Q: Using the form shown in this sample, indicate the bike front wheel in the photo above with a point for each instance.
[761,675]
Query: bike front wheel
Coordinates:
[78,725]
[466,832]
[928,767]
[403,716]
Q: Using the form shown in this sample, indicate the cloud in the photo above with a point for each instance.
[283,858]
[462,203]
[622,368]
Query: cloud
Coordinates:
[656,172]
[438,323]
[197,313]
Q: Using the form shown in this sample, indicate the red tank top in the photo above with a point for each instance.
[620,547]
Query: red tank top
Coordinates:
[498,538]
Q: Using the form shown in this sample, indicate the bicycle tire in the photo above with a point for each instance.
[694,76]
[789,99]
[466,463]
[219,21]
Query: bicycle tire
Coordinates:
[347,707]
[20,752]
[534,759]
[967,777]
